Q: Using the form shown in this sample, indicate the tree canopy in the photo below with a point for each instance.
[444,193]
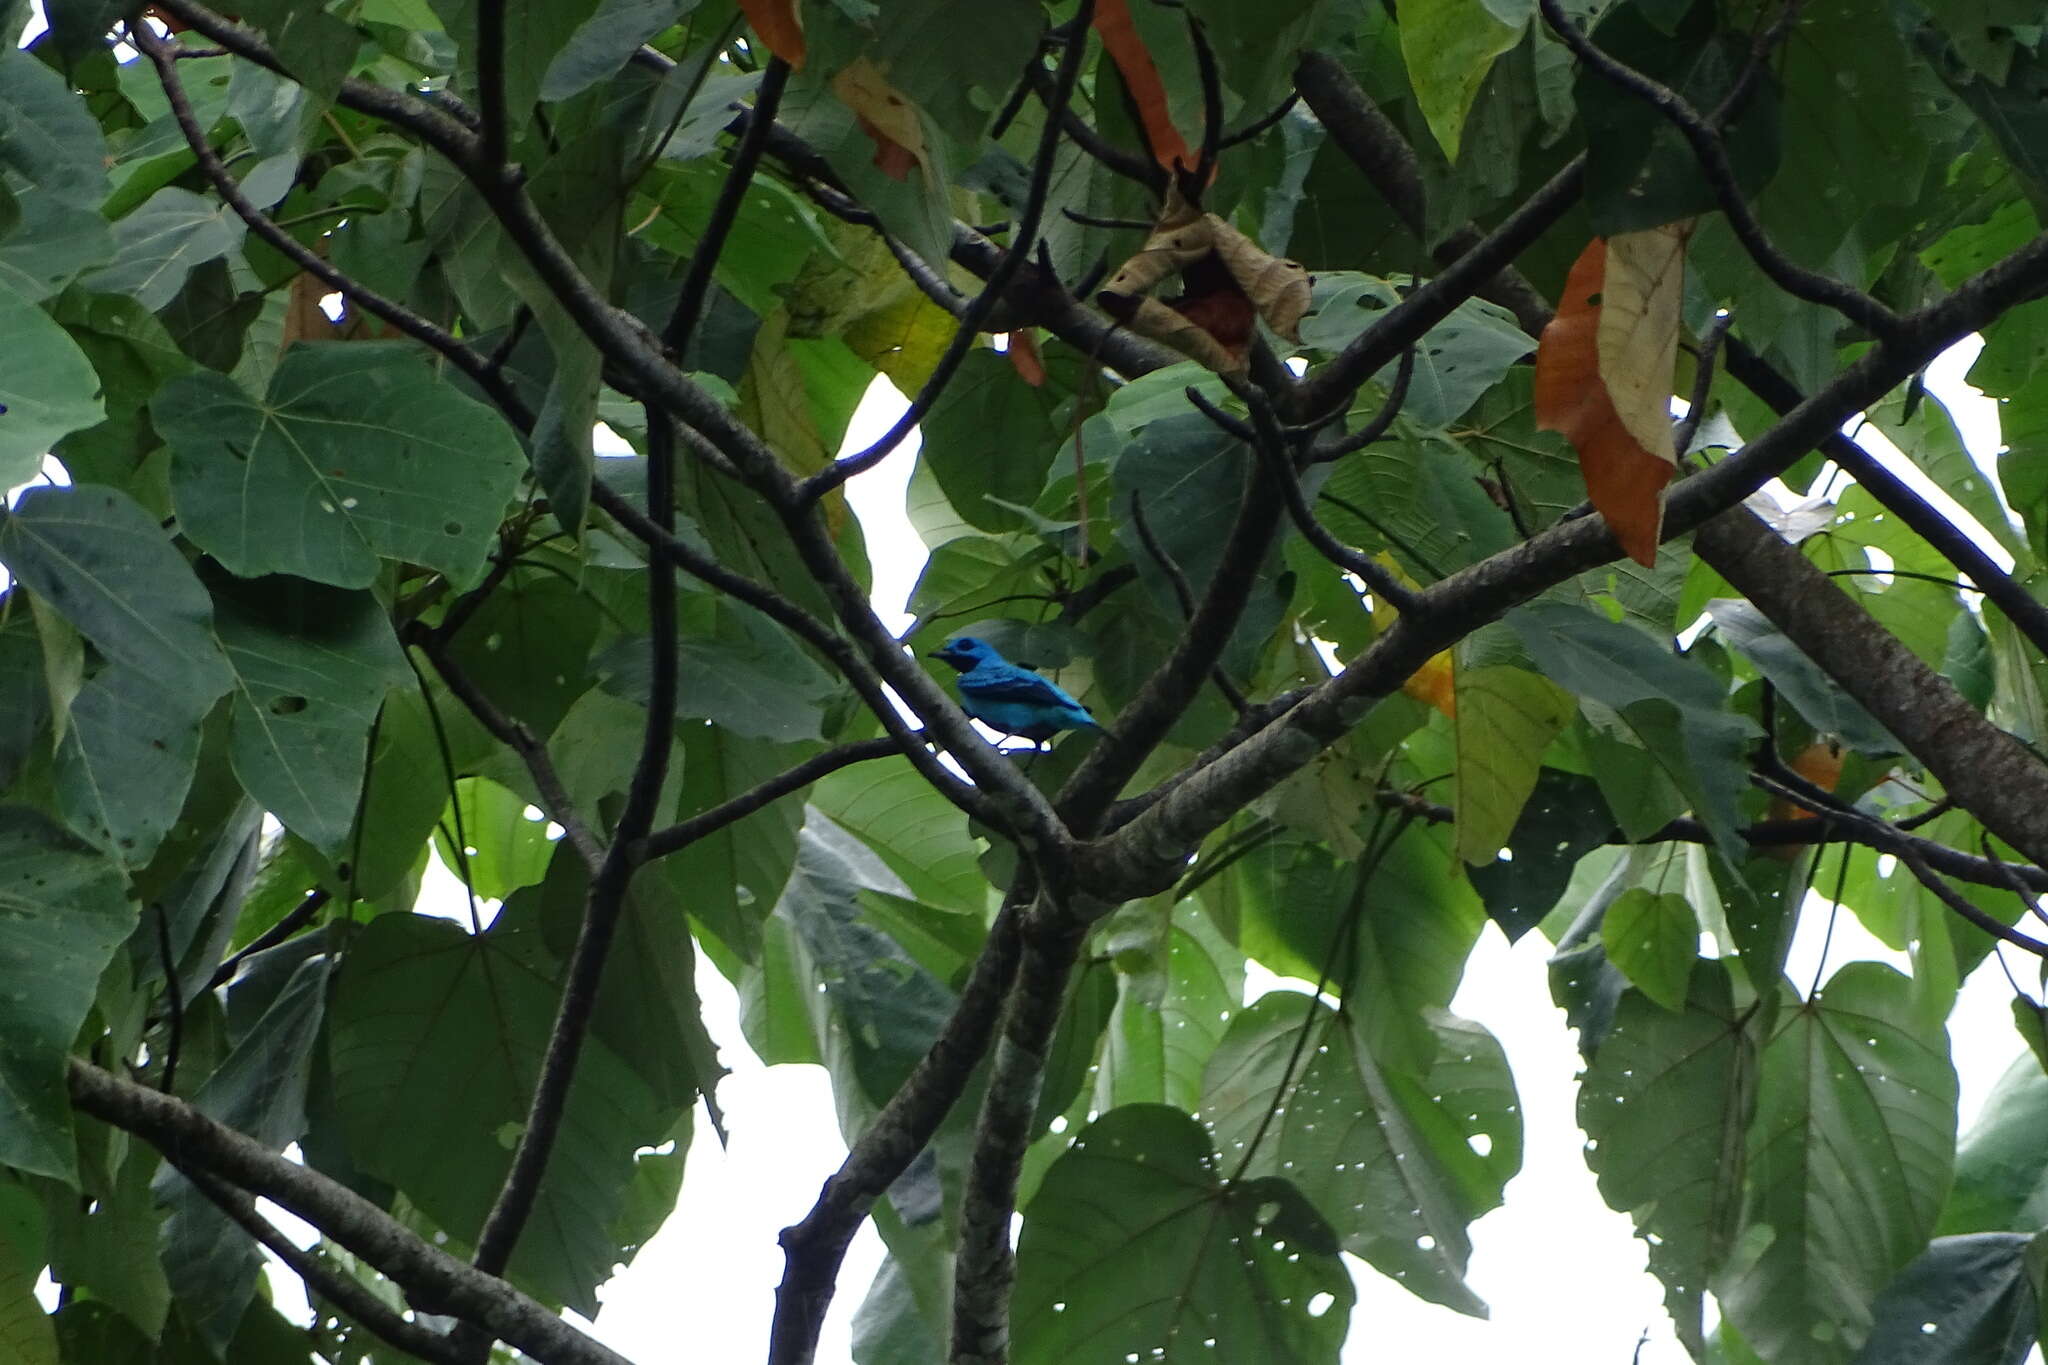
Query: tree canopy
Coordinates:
[1296,382]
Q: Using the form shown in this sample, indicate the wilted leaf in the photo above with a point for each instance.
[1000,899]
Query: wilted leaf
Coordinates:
[1603,377]
[1119,34]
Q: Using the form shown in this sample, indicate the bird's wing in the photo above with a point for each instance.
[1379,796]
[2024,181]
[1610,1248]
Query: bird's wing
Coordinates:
[1013,684]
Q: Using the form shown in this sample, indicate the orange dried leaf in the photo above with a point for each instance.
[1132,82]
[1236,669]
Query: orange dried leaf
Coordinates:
[780,25]
[1588,365]
[1024,358]
[885,115]
[1119,34]
[1819,763]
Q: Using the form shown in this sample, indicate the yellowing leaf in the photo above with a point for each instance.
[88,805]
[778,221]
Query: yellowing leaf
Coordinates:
[1449,46]
[1603,377]
[1119,34]
[1436,683]
[1506,717]
[886,116]
[781,26]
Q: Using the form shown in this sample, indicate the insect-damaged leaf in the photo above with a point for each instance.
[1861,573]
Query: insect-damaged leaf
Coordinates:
[1603,376]
[886,116]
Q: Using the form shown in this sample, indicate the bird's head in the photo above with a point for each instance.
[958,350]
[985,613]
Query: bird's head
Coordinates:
[964,652]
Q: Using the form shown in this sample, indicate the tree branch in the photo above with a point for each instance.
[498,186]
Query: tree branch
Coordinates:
[490,81]
[191,1141]
[984,1266]
[326,1279]
[683,833]
[711,244]
[814,1248]
[1787,274]
[1021,240]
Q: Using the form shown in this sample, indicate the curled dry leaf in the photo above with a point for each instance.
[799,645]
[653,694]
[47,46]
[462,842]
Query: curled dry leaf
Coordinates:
[1119,34]
[884,115]
[1024,358]
[1603,376]
[1228,281]
[781,26]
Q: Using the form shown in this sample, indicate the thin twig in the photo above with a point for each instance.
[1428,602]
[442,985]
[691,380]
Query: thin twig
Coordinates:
[731,194]
[1712,155]
[1382,421]
[1702,382]
[969,330]
[1182,593]
[173,997]
[1261,124]
[683,833]
[326,1279]
[295,919]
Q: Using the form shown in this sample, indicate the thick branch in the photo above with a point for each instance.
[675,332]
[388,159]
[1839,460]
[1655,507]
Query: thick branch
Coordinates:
[327,1279]
[192,1141]
[985,1266]
[814,1248]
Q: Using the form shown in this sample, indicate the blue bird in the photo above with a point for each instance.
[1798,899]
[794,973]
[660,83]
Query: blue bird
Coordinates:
[1010,698]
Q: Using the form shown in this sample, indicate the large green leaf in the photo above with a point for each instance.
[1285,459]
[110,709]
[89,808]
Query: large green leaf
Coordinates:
[991,436]
[48,136]
[125,763]
[358,451]
[26,1333]
[2001,1182]
[1849,1158]
[730,880]
[1450,45]
[46,384]
[63,908]
[435,1030]
[921,836]
[1178,982]
[106,565]
[1622,667]
[157,246]
[1652,938]
[1399,1164]
[1665,1103]
[1816,696]
[1136,1245]
[507,848]
[1963,1301]
[312,665]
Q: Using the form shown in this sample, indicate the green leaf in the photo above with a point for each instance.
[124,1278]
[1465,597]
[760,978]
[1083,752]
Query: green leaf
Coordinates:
[1653,939]
[1506,718]
[2001,1182]
[1449,46]
[1399,1164]
[605,41]
[312,665]
[1665,1103]
[1564,819]
[1849,1158]
[921,836]
[990,440]
[1458,361]
[64,909]
[1963,1301]
[1136,1244]
[1620,666]
[359,447]
[46,383]
[546,623]
[125,763]
[112,572]
[435,1030]
[757,686]
[111,1250]
[1178,983]
[26,1333]
[731,880]
[1813,693]
[157,246]
[53,243]
[507,848]
[48,136]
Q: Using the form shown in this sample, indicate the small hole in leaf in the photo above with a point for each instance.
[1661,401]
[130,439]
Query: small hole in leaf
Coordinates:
[287,706]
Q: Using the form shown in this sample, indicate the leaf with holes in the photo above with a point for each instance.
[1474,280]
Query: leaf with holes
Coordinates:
[1398,1164]
[1666,1100]
[1506,717]
[1137,1247]
[359,450]
[1856,1114]
[312,665]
